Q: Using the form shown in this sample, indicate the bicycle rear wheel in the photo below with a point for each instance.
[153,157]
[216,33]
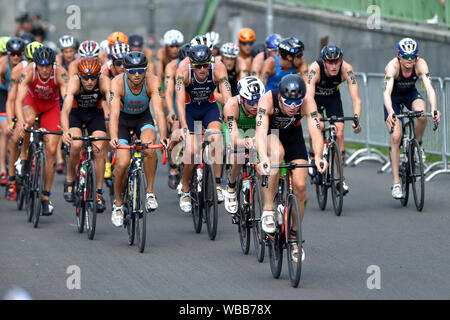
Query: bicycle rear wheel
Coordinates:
[196,201]
[210,200]
[256,212]
[417,175]
[295,267]
[90,202]
[140,210]
[336,178]
[244,213]
[38,182]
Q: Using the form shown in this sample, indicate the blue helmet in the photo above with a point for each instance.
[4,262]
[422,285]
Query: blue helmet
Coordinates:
[407,46]
[273,40]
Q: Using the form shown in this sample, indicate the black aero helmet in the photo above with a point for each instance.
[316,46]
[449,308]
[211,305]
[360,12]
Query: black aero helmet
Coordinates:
[290,46]
[44,56]
[257,48]
[136,40]
[27,37]
[15,45]
[292,87]
[200,54]
[184,51]
[331,52]
[135,59]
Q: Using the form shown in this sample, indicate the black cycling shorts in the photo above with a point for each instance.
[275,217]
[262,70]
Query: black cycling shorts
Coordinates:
[331,104]
[93,118]
[135,122]
[293,143]
[3,98]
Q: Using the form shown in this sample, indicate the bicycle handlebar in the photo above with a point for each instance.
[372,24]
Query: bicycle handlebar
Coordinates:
[289,166]
[90,138]
[415,114]
[334,119]
[145,146]
[43,131]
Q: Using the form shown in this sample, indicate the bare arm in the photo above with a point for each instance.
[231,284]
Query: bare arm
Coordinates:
[25,80]
[160,65]
[313,79]
[242,69]
[169,86]
[312,117]
[354,91]
[268,69]
[105,88]
[115,95]
[180,91]
[72,89]
[231,113]
[390,73]
[12,93]
[62,80]
[257,64]
[157,102]
[220,72]
[265,109]
[424,73]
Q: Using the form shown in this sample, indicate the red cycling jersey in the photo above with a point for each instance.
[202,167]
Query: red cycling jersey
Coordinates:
[47,90]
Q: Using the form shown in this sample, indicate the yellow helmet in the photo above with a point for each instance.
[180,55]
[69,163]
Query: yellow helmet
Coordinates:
[3,41]
[30,48]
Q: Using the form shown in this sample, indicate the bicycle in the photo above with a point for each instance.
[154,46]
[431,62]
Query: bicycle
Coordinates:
[85,188]
[134,194]
[411,166]
[333,178]
[250,208]
[203,189]
[285,236]
[36,173]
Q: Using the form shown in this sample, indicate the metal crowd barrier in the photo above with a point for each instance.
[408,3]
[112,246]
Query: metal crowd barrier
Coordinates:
[375,133]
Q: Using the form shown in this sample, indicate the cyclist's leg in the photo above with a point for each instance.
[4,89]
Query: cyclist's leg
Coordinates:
[74,157]
[148,134]
[120,173]
[96,128]
[188,153]
[30,113]
[395,141]
[418,104]
[3,144]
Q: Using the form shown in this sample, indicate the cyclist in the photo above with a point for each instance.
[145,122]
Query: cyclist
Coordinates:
[14,47]
[3,41]
[289,60]
[271,49]
[195,85]
[171,68]
[113,38]
[10,111]
[130,109]
[38,92]
[236,68]
[84,105]
[282,109]
[173,40]
[401,74]
[246,37]
[68,46]
[214,38]
[136,42]
[88,48]
[325,76]
[239,129]
[115,66]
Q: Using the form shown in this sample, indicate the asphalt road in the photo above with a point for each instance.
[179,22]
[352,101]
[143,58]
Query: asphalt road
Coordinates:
[410,248]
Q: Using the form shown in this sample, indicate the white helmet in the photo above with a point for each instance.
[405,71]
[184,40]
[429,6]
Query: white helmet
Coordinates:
[407,46]
[119,50]
[201,39]
[213,37]
[229,50]
[104,46]
[67,41]
[251,88]
[173,37]
[89,48]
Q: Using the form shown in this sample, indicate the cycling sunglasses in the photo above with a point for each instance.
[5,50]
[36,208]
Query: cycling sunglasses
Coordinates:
[136,70]
[118,63]
[201,65]
[175,46]
[251,103]
[409,56]
[333,61]
[17,54]
[247,43]
[87,77]
[292,103]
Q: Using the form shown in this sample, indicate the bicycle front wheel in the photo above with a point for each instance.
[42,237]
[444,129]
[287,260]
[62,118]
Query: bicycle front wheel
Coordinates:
[322,189]
[256,212]
[196,201]
[336,178]
[244,212]
[210,200]
[417,175]
[404,175]
[38,182]
[129,218]
[276,254]
[294,259]
[91,200]
[140,210]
